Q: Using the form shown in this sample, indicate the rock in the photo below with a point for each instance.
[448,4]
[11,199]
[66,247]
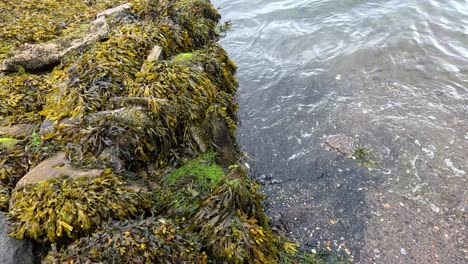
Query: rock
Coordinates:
[46,127]
[403,251]
[133,116]
[12,250]
[340,144]
[201,137]
[226,151]
[52,168]
[33,57]
[98,31]
[115,11]
[16,131]
[155,54]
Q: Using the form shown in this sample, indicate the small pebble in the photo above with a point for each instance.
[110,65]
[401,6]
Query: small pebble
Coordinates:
[403,251]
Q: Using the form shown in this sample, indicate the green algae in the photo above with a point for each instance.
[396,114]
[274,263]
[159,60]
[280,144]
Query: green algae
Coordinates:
[364,157]
[203,168]
[182,57]
[6,140]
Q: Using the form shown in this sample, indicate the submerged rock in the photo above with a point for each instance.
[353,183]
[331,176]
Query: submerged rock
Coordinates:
[341,144]
[12,250]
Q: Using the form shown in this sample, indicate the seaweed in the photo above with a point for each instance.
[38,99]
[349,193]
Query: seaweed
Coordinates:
[13,163]
[107,105]
[23,96]
[65,209]
[232,223]
[86,81]
[144,240]
[41,21]
[5,193]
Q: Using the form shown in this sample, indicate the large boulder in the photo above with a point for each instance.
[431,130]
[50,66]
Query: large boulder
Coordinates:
[12,250]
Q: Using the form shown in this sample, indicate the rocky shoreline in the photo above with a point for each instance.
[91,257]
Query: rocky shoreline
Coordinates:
[117,141]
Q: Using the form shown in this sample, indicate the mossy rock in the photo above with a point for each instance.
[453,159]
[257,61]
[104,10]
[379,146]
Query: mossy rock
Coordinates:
[65,209]
[182,191]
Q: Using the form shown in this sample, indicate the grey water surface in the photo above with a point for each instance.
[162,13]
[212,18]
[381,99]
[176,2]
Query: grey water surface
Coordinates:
[393,76]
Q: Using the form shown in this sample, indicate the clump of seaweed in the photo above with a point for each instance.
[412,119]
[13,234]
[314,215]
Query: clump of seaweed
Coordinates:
[234,226]
[5,193]
[200,19]
[85,81]
[146,240]
[23,96]
[13,163]
[68,208]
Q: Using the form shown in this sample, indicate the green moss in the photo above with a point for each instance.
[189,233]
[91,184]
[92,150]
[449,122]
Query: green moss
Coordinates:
[203,168]
[6,140]
[62,209]
[182,191]
[149,240]
[182,57]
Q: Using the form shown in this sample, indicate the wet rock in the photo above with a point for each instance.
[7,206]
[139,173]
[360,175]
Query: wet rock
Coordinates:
[115,11]
[341,144]
[46,127]
[223,142]
[12,250]
[16,131]
[54,167]
[201,137]
[134,116]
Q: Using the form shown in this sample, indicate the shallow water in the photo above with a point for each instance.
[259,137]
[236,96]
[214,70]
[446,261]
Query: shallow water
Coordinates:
[393,75]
